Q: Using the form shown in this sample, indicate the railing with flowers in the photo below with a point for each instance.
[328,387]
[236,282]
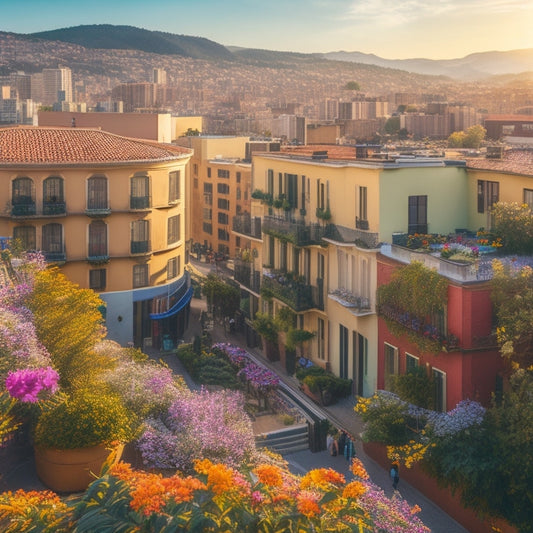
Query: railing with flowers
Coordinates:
[426,335]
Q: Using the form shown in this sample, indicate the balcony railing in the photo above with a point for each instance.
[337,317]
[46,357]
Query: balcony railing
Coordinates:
[54,208]
[139,202]
[98,212]
[358,236]
[358,304]
[297,232]
[297,294]
[247,225]
[55,257]
[140,247]
[245,274]
[23,210]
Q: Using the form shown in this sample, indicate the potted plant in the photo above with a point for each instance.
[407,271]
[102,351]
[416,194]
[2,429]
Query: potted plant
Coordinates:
[74,437]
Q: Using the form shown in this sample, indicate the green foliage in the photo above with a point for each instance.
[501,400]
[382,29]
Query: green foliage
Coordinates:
[87,418]
[223,298]
[513,223]
[285,318]
[69,324]
[323,213]
[415,288]
[386,420]
[512,294]
[352,86]
[392,126]
[322,382]
[471,138]
[414,387]
[192,132]
[266,326]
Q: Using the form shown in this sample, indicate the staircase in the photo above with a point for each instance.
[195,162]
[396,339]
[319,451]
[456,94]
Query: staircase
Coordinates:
[283,441]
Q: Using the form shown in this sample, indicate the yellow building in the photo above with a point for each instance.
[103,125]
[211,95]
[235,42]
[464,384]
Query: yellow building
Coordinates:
[110,211]
[220,188]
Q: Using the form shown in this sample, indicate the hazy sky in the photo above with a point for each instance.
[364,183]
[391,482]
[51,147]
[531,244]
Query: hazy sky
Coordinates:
[394,29]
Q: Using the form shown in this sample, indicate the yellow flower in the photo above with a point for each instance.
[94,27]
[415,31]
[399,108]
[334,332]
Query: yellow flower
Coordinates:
[353,490]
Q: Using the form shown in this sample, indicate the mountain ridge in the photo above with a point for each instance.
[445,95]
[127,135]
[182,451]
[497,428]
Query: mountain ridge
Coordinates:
[474,66]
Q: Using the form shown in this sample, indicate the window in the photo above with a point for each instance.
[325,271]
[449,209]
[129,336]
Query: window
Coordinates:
[411,363]
[97,192]
[208,172]
[488,193]
[320,198]
[22,197]
[528,197]
[173,267]
[223,204]
[292,190]
[52,240]
[223,188]
[195,169]
[223,218]
[320,338]
[140,276]
[208,188]
[439,390]
[53,195]
[418,214]
[221,173]
[97,279]
[208,228]
[363,215]
[283,257]
[140,191]
[173,229]
[174,186]
[238,193]
[238,177]
[97,239]
[391,363]
[196,183]
[207,213]
[343,351]
[139,236]
[270,182]
[26,236]
[223,235]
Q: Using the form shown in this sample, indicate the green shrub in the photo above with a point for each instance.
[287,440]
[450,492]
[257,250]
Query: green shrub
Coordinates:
[414,387]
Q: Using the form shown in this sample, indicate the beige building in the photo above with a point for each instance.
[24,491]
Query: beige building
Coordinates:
[110,211]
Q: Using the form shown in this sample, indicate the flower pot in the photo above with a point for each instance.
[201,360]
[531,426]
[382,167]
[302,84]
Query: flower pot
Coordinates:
[72,470]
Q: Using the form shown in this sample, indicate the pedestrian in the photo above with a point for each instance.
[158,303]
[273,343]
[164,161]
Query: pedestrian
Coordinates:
[349,448]
[395,475]
[332,445]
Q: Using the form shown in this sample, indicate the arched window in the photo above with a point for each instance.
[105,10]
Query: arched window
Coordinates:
[140,191]
[98,239]
[97,192]
[53,196]
[26,236]
[23,197]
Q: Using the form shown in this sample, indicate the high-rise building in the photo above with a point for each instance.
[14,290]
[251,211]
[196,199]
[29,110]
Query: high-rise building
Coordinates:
[160,76]
[57,85]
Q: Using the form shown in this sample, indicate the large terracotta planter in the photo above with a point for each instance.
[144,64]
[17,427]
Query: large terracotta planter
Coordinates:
[72,470]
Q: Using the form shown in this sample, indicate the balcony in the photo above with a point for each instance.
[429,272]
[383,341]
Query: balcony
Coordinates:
[139,247]
[293,291]
[23,210]
[98,212]
[357,236]
[245,274]
[96,260]
[358,305]
[247,225]
[139,202]
[54,208]
[297,232]
[55,257]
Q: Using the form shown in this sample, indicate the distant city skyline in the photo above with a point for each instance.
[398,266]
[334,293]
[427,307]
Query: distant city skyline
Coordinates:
[393,29]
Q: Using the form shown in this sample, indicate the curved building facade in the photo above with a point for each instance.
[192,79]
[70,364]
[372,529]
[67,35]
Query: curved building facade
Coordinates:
[109,210]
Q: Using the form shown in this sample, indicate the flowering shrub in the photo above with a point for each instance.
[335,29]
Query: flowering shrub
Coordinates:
[217,497]
[88,418]
[28,384]
[199,425]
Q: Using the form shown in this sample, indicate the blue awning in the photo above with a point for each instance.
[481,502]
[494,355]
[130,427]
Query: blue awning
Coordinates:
[176,308]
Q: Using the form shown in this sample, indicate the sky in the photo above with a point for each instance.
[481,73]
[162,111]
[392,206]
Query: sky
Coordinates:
[393,29]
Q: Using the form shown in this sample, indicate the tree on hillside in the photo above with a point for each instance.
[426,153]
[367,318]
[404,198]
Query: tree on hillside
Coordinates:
[352,86]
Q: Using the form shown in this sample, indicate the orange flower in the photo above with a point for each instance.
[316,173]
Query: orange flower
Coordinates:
[357,468]
[202,466]
[220,479]
[308,505]
[322,478]
[354,490]
[269,475]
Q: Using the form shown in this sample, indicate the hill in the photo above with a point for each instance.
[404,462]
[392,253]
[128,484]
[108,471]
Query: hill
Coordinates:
[470,67]
[107,36]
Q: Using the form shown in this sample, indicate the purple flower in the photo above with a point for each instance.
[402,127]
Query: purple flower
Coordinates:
[26,384]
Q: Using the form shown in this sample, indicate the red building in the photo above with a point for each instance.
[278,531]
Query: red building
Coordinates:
[472,366]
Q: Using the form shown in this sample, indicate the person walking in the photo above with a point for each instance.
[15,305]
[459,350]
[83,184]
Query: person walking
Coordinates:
[349,448]
[395,475]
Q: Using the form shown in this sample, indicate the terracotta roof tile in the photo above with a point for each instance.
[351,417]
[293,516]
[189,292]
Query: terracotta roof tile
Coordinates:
[513,161]
[40,145]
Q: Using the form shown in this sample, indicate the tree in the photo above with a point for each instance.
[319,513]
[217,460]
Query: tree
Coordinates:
[473,136]
[392,126]
[512,294]
[513,224]
[456,139]
[222,298]
[352,86]
[192,132]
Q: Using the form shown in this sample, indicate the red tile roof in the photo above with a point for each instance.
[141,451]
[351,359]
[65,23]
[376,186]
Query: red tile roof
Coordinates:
[513,162]
[40,145]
